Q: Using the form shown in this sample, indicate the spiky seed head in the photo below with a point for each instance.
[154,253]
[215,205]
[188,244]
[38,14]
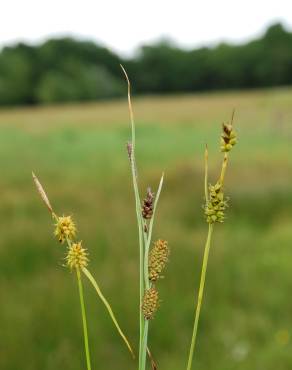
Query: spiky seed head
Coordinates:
[77,256]
[158,257]
[150,303]
[147,208]
[65,229]
[228,138]
[216,204]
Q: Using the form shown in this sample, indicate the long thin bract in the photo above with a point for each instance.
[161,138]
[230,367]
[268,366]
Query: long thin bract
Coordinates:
[108,307]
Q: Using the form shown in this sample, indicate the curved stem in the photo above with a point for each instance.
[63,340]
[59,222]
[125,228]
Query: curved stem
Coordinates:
[108,307]
[200,296]
[84,321]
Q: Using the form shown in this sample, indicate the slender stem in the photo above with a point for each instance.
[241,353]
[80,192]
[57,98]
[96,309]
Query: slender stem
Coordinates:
[84,322]
[138,215]
[146,274]
[108,307]
[149,235]
[206,175]
[144,351]
[200,296]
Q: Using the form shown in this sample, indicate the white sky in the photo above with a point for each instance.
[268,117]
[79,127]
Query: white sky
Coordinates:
[123,25]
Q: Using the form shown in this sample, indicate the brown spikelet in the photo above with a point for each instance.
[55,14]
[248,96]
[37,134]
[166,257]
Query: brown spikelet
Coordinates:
[150,303]
[158,258]
[147,208]
[228,137]
[42,192]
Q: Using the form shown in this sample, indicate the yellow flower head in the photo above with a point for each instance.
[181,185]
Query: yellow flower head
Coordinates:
[65,229]
[77,256]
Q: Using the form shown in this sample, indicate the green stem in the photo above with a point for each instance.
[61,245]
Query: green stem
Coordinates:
[84,322]
[148,238]
[138,214]
[144,347]
[206,175]
[200,296]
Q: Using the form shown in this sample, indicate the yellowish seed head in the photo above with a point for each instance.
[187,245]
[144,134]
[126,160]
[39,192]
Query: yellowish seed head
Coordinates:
[216,205]
[150,303]
[77,256]
[158,257]
[65,229]
[228,138]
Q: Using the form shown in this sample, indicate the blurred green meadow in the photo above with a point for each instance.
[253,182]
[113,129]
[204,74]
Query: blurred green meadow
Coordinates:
[79,154]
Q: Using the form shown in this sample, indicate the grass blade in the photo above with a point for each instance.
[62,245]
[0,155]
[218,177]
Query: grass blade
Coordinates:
[108,307]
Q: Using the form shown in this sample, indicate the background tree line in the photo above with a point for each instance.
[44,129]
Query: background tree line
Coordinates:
[63,70]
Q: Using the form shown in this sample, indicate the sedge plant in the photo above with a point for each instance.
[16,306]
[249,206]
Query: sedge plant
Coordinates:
[77,261]
[152,260]
[214,209]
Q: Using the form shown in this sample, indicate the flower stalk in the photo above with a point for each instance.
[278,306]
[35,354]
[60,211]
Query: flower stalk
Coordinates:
[77,259]
[84,320]
[214,209]
[145,212]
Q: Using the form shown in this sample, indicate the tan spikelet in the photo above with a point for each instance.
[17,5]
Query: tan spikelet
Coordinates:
[42,192]
[158,258]
[150,303]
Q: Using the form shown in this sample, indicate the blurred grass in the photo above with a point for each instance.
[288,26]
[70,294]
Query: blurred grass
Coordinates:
[79,154]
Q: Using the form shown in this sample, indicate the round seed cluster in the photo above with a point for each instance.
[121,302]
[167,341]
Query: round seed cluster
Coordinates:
[216,205]
[228,138]
[77,256]
[150,303]
[158,257]
[65,229]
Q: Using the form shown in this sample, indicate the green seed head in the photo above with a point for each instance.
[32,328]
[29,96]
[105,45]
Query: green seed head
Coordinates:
[216,205]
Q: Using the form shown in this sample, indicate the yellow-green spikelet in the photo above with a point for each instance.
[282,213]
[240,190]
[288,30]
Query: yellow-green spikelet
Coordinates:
[216,205]
[228,138]
[77,256]
[65,229]
[158,258]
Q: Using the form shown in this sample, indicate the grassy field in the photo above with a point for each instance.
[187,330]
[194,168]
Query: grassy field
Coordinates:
[79,154]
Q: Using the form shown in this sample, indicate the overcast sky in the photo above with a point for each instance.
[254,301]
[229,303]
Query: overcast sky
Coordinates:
[122,25]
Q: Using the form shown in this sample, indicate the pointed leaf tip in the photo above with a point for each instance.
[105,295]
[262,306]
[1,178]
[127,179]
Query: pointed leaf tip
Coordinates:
[42,192]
